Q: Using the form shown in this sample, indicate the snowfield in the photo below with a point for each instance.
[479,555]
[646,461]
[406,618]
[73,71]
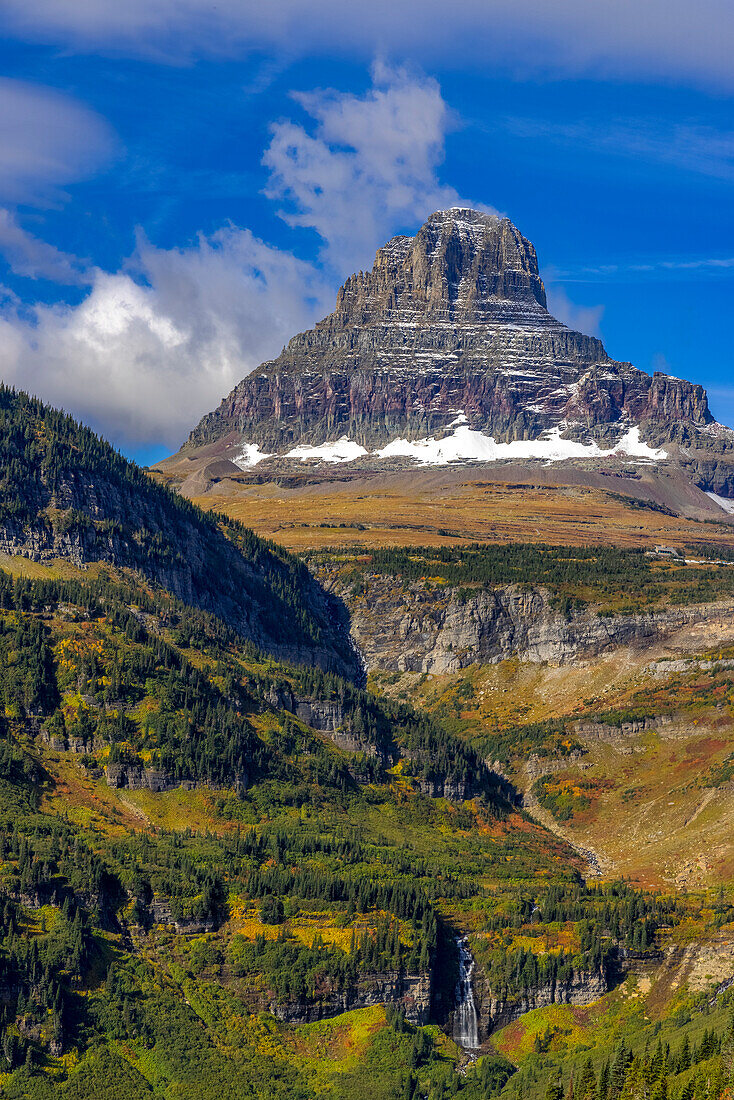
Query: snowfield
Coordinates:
[343,450]
[464,444]
[723,503]
[251,455]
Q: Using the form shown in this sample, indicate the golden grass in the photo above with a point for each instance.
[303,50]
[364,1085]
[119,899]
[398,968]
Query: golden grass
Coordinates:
[305,927]
[55,569]
[442,509]
[651,818]
[90,802]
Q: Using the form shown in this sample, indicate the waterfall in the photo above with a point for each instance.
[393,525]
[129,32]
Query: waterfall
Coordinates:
[466,1023]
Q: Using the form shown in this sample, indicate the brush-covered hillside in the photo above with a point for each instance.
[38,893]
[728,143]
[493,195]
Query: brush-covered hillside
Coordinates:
[204,852]
[599,679]
[224,876]
[228,871]
[67,494]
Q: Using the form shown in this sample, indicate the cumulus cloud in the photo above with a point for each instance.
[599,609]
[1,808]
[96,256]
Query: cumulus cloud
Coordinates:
[47,141]
[369,165]
[153,347]
[658,38]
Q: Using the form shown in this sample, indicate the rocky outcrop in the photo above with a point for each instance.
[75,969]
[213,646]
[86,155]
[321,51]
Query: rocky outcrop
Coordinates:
[410,992]
[421,628]
[537,766]
[454,790]
[496,1010]
[451,320]
[320,714]
[136,777]
[161,913]
[326,715]
[604,731]
[78,745]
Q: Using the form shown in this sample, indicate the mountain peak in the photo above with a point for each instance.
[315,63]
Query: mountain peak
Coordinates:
[447,340]
[462,265]
[465,217]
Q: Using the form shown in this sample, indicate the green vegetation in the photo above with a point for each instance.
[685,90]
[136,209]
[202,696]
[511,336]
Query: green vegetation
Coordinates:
[224,874]
[80,499]
[612,580]
[321,875]
[564,798]
[686,1056]
[127,692]
[102,673]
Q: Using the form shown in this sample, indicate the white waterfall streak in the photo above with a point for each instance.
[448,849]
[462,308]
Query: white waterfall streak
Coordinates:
[466,1024]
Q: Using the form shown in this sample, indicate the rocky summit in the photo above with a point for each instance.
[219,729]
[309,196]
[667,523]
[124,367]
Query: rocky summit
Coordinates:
[445,352]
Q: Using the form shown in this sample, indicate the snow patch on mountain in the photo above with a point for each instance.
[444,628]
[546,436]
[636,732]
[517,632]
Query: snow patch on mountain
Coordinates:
[465,444]
[343,450]
[250,456]
[723,503]
[631,444]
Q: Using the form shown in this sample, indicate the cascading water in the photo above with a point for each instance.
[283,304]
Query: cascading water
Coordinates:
[466,1023]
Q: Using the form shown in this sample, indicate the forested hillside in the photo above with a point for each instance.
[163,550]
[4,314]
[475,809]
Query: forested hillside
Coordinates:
[65,493]
[208,857]
[228,871]
[107,687]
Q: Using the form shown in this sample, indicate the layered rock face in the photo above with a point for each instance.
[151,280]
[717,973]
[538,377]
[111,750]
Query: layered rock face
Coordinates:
[497,1009]
[451,322]
[418,628]
[409,992]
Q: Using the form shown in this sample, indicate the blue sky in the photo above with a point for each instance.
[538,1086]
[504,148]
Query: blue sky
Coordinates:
[183,186]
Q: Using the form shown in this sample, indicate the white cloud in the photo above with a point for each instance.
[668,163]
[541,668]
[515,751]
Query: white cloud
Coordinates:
[47,140]
[154,346]
[669,39]
[369,166]
[150,349]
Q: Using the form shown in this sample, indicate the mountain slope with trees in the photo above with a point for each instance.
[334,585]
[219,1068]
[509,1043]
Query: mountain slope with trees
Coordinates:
[65,493]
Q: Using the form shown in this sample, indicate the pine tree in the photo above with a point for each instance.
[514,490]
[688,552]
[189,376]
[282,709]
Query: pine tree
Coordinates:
[587,1082]
[554,1088]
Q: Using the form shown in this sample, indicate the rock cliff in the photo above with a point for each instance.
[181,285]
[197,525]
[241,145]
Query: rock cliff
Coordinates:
[415,627]
[450,328]
[409,992]
[496,1009]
